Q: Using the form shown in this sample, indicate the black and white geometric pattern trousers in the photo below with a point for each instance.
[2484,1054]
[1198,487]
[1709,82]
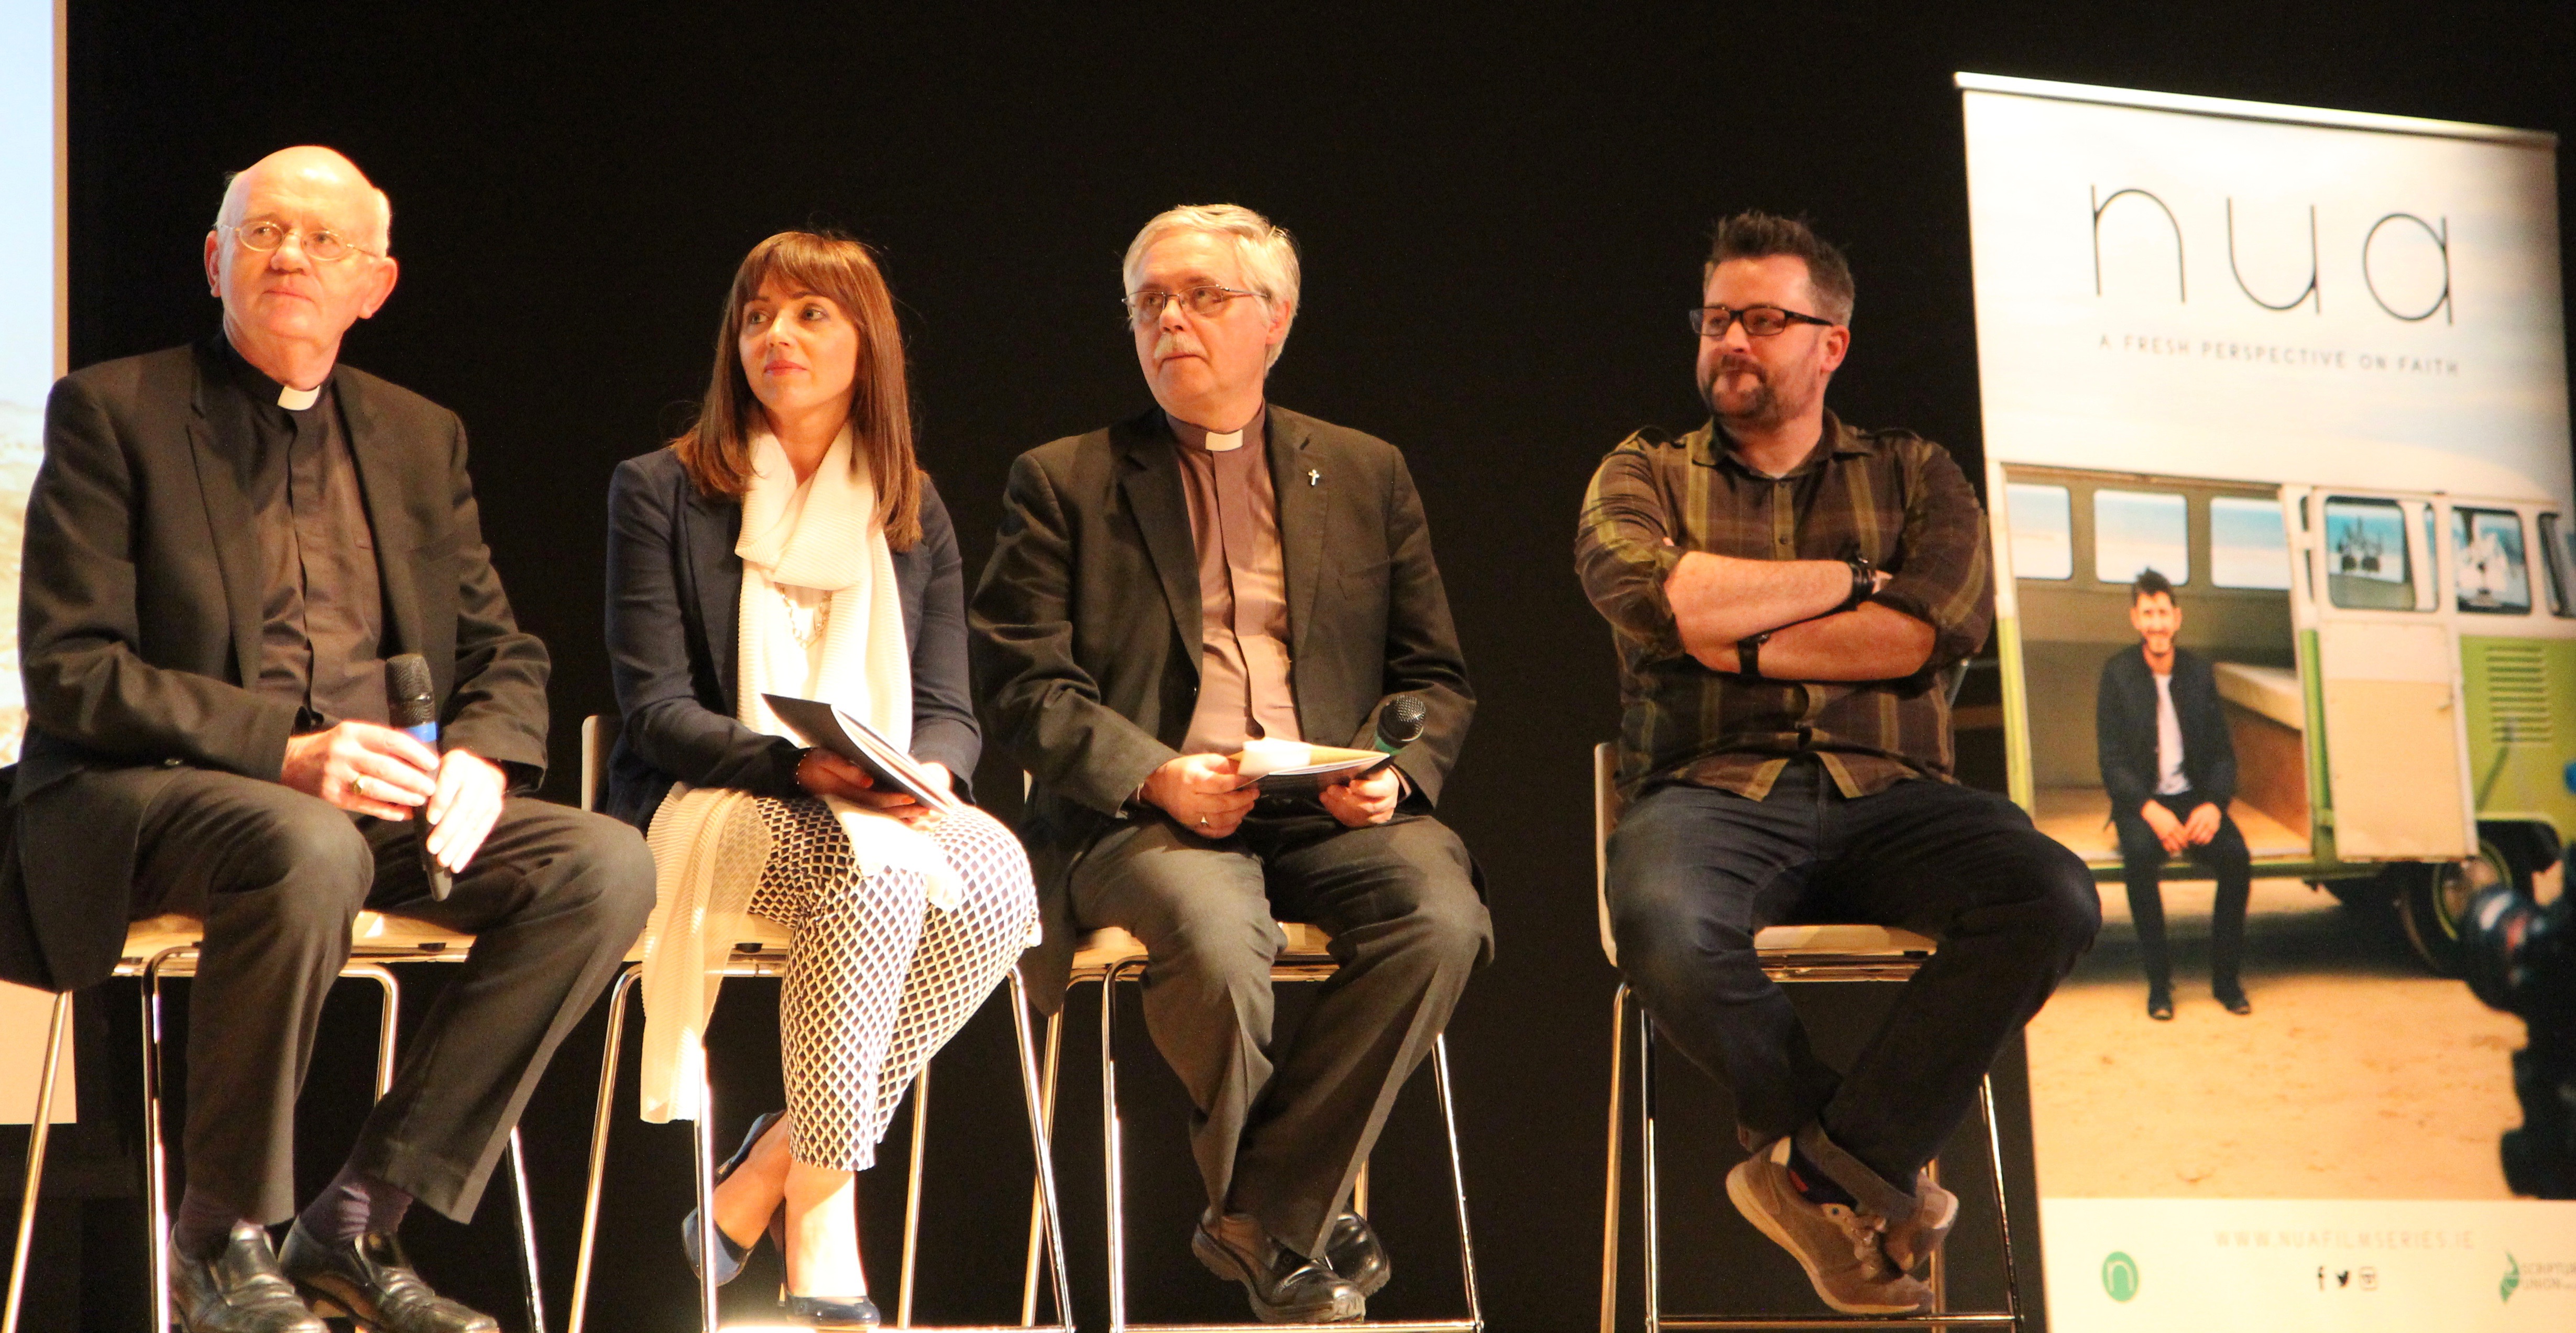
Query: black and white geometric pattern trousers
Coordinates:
[877,979]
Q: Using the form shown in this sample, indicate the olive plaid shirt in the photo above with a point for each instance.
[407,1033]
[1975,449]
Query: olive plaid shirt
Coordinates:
[1890,496]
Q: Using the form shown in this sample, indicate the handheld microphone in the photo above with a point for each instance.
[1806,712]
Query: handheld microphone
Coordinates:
[1399,724]
[412,705]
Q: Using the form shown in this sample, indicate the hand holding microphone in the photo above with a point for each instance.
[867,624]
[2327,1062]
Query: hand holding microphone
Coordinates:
[411,701]
[1372,799]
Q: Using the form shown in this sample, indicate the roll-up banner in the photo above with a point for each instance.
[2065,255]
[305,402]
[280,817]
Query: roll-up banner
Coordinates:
[32,353]
[2308,369]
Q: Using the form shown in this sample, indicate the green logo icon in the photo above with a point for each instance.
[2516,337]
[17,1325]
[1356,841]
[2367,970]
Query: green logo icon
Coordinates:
[2120,1276]
[2512,1278]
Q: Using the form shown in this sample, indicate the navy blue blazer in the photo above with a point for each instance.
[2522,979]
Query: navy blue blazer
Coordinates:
[674,594]
[2124,730]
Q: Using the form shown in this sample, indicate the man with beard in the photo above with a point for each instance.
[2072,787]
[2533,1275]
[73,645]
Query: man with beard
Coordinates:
[1784,591]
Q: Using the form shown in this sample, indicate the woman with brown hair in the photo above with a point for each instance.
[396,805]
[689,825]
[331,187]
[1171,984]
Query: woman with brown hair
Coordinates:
[787,544]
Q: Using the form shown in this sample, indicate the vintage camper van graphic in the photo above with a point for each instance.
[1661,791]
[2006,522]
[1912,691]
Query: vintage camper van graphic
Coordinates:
[2398,671]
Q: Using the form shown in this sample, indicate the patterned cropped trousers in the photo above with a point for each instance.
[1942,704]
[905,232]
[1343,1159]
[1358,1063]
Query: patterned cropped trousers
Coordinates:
[877,979]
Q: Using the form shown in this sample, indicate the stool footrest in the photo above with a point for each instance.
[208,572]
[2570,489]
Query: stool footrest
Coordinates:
[1694,1321]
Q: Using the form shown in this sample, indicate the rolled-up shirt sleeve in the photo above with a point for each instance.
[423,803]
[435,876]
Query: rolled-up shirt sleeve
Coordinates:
[1623,550]
[1944,573]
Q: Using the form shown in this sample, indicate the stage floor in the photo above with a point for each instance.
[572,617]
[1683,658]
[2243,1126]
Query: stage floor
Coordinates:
[2357,1076]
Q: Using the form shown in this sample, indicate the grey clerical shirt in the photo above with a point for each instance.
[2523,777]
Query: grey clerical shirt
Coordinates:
[1243,590]
[322,601]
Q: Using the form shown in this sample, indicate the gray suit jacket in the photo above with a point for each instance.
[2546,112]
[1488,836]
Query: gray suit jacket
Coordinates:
[674,598]
[1087,635]
[139,620]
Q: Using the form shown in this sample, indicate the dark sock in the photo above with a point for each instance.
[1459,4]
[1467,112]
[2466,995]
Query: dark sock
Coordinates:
[351,1204]
[201,1225]
[1813,1185]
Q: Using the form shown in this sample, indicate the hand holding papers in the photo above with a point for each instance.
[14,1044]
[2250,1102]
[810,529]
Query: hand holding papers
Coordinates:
[1292,768]
[828,728]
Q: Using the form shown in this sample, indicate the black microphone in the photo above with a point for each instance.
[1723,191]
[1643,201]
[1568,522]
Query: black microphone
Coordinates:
[1399,724]
[413,704]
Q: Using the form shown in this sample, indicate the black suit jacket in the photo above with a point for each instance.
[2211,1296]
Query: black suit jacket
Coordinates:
[1087,634]
[2124,730]
[139,620]
[674,605]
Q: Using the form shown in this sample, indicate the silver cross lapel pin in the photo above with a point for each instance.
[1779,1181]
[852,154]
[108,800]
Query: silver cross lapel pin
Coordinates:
[1314,477]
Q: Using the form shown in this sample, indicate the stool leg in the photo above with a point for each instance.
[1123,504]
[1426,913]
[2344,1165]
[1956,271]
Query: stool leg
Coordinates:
[1457,1179]
[1041,1136]
[524,1217]
[703,1139]
[1040,1210]
[1646,1182]
[912,1196]
[2003,1210]
[1360,1190]
[39,1128]
[156,1155]
[1112,1163]
[1940,1282]
[1610,1185]
[599,1120]
[388,1019]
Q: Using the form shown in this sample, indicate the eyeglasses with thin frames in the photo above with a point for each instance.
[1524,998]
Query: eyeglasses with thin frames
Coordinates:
[1200,301]
[321,244]
[1760,321]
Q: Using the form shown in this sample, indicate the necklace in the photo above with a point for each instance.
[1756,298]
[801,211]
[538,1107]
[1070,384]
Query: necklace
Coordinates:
[805,621]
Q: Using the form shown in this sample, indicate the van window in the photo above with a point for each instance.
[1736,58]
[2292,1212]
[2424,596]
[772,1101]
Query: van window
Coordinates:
[2487,561]
[2553,555]
[2043,531]
[2366,566]
[2247,546]
[2135,531]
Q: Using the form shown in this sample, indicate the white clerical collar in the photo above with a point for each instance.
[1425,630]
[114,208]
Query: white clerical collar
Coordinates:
[1217,442]
[296,400]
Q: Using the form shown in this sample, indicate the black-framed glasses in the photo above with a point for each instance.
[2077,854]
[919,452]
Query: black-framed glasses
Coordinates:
[1200,301]
[320,243]
[1760,321]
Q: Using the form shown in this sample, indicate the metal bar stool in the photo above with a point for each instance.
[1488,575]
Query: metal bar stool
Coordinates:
[1112,956]
[765,955]
[1789,954]
[166,946]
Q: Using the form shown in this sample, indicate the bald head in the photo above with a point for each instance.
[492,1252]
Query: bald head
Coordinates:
[319,173]
[285,310]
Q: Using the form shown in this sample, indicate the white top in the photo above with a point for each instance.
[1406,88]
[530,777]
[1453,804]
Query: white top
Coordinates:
[2169,778]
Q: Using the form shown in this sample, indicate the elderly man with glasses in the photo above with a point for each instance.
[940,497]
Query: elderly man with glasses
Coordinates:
[225,544]
[1215,571]
[1784,591]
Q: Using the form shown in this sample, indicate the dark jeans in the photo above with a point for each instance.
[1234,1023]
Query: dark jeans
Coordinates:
[1281,1133]
[554,899]
[2224,855]
[1696,871]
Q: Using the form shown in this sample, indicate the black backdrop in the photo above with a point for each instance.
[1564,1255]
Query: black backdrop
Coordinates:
[1499,218]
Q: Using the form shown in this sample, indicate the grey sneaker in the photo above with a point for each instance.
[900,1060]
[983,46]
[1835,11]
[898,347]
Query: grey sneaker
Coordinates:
[1910,1243]
[1839,1246]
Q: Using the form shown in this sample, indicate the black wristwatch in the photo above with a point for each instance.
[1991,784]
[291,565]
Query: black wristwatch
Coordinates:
[1748,654]
[1864,580]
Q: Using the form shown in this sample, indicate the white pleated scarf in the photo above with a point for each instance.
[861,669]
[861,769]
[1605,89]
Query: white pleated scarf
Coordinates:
[709,844]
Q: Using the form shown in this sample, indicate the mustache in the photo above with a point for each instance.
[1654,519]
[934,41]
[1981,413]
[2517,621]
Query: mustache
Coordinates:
[1171,344]
[1745,365]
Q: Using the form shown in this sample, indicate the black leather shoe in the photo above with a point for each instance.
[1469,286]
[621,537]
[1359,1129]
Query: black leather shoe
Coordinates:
[1351,1247]
[2231,997]
[2160,1004]
[832,1311]
[1286,1287]
[367,1278]
[237,1289]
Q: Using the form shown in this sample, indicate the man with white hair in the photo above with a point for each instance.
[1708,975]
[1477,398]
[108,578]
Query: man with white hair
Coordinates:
[224,545]
[1215,571]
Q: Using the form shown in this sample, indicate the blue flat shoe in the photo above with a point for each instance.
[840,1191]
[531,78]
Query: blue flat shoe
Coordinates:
[832,1311]
[729,1256]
